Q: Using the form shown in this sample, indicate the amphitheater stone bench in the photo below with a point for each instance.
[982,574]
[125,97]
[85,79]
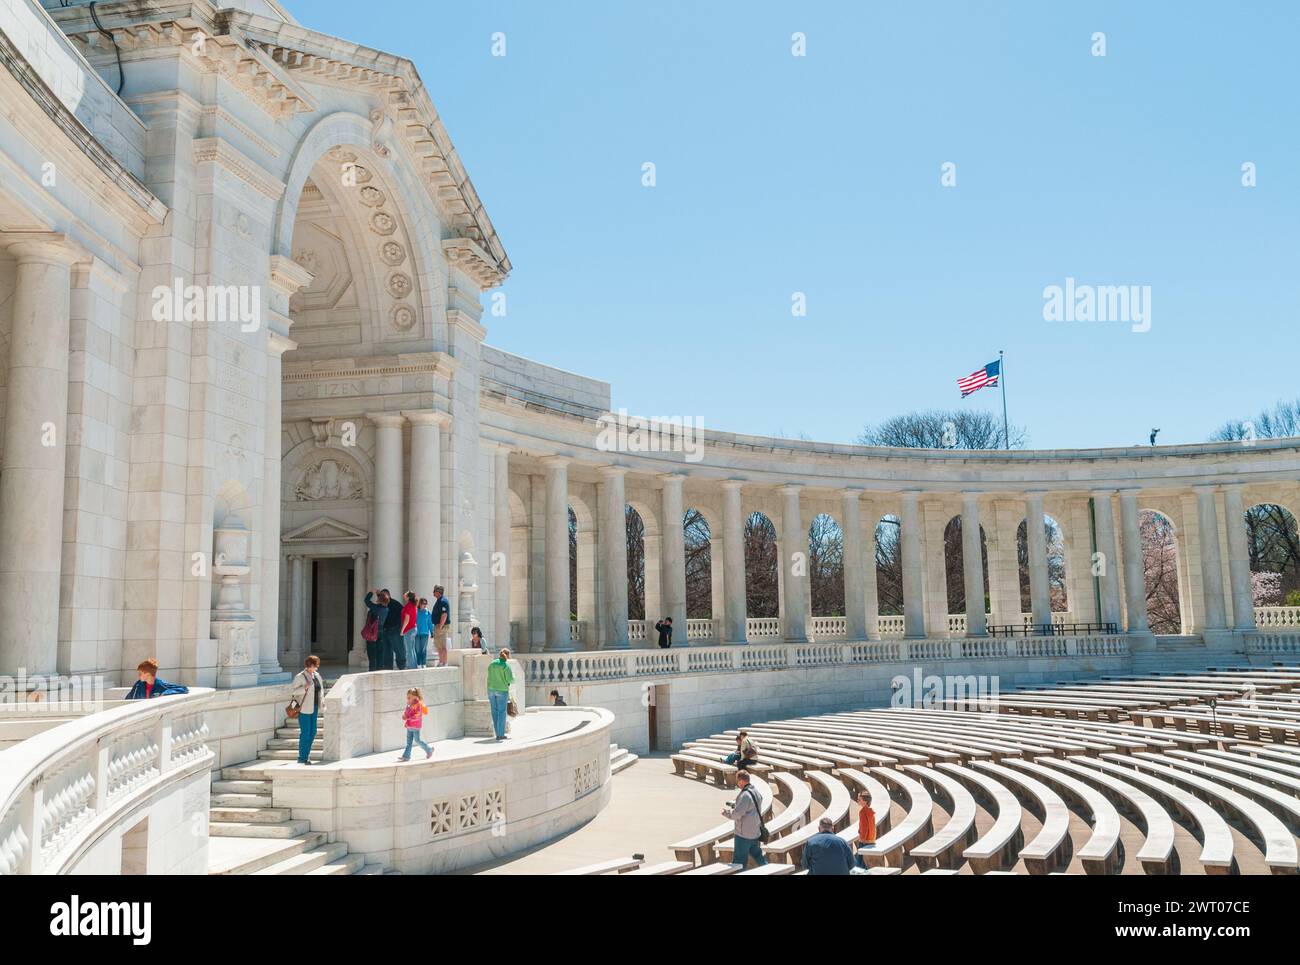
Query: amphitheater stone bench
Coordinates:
[1100,855]
[1157,851]
[798,798]
[723,774]
[717,868]
[612,866]
[945,847]
[662,868]
[770,869]
[1216,837]
[890,847]
[1280,851]
[834,797]
[1241,779]
[1047,849]
[997,847]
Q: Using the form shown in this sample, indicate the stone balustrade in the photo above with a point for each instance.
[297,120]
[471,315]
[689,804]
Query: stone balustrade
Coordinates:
[1265,643]
[1267,617]
[66,791]
[580,667]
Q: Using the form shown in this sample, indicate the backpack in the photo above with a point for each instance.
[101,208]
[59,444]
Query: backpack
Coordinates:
[370,632]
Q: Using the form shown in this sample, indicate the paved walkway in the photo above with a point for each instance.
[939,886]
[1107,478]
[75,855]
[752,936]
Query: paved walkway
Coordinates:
[649,809]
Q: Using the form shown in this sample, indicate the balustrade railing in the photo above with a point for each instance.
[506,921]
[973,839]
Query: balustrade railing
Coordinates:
[62,786]
[591,666]
[891,625]
[1267,617]
[700,630]
[1265,642]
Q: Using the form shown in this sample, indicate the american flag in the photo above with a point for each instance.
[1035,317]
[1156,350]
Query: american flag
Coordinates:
[980,378]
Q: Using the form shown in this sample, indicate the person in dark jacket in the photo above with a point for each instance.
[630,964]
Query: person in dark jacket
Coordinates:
[150,686]
[665,628]
[557,700]
[826,853]
[389,650]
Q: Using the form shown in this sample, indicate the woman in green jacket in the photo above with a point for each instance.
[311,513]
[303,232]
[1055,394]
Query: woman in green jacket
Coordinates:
[499,679]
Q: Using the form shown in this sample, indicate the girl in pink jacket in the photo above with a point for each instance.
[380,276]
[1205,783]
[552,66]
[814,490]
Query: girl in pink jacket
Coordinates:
[413,716]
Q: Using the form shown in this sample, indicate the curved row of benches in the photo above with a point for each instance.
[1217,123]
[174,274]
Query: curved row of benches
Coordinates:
[1038,780]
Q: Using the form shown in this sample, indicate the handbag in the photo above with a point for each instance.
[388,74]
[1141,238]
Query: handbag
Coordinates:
[370,632]
[293,709]
[512,709]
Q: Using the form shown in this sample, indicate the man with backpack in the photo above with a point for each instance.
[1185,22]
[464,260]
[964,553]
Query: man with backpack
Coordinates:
[747,814]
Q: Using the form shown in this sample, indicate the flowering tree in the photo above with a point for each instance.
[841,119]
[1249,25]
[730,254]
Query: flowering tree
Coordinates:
[1266,589]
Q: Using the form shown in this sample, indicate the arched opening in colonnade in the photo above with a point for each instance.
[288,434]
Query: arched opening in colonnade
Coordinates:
[826,567]
[762,593]
[1160,571]
[889,567]
[635,564]
[954,566]
[1273,547]
[698,539]
[1056,576]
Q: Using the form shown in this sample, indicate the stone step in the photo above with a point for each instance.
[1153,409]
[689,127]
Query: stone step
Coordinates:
[250,815]
[287,755]
[372,869]
[616,753]
[247,771]
[293,724]
[241,787]
[248,829]
[623,763]
[307,861]
[292,732]
[240,800]
[263,853]
[291,744]
[349,864]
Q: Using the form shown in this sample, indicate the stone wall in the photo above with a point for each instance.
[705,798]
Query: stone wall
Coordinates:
[364,710]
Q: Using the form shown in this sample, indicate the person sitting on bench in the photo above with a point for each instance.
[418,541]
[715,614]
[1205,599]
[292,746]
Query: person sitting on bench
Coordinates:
[746,751]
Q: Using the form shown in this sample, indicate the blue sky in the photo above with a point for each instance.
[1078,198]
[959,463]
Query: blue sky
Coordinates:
[821,174]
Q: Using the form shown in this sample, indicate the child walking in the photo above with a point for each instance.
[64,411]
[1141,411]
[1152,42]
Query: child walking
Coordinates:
[413,715]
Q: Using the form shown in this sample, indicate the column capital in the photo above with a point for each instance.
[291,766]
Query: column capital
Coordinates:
[359,556]
[50,247]
[1205,489]
[428,417]
[790,489]
[852,492]
[910,495]
[732,485]
[1101,493]
[672,479]
[387,420]
[1128,492]
[556,461]
[612,471]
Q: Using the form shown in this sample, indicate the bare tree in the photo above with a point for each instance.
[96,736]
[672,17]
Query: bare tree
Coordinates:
[761,587]
[1160,570]
[826,566]
[942,429]
[635,564]
[699,566]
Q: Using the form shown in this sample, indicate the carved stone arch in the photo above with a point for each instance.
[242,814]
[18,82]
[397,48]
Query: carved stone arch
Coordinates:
[302,459]
[389,216]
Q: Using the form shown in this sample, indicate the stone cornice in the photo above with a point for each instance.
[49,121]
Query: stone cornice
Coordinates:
[133,190]
[375,366]
[287,276]
[220,151]
[470,258]
[405,112]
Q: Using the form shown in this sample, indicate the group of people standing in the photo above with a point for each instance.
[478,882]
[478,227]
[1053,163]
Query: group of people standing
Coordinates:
[397,632]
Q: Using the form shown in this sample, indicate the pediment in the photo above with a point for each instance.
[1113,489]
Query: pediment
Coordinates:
[324,529]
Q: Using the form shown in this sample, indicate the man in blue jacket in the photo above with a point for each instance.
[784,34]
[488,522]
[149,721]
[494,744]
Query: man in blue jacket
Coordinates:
[826,853]
[150,686]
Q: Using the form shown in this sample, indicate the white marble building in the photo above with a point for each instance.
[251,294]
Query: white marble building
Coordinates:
[218,487]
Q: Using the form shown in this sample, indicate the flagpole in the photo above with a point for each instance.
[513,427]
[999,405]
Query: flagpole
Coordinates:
[1002,371]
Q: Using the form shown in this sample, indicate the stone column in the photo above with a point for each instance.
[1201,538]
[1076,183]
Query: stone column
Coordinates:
[34,455]
[674,557]
[295,650]
[613,533]
[357,656]
[870,591]
[269,669]
[1040,595]
[424,502]
[386,536]
[501,567]
[1243,600]
[734,603]
[973,565]
[557,554]
[1135,591]
[794,539]
[913,567]
[1207,519]
[855,604]
[1107,564]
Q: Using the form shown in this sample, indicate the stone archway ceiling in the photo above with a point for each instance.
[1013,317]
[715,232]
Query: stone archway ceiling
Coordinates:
[269,59]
